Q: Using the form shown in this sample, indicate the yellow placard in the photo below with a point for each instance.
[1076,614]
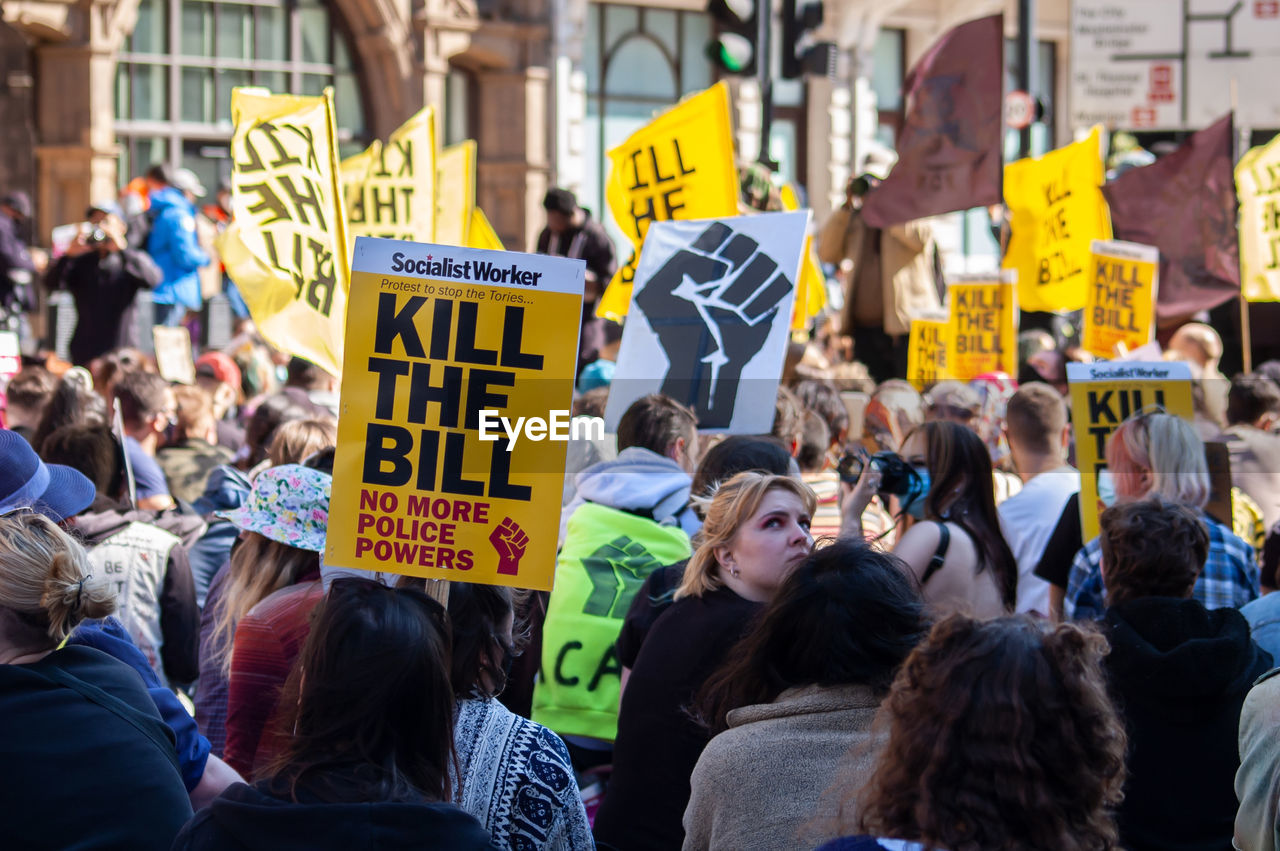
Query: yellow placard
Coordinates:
[442,342]
[455,192]
[1103,395]
[1258,185]
[390,189]
[679,166]
[1057,211]
[928,346]
[481,234]
[984,327]
[1120,305]
[286,248]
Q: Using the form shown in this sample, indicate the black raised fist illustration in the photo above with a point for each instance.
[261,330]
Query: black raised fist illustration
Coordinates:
[712,306]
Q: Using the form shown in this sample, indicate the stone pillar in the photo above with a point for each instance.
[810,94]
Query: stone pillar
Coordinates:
[76,155]
[515,167]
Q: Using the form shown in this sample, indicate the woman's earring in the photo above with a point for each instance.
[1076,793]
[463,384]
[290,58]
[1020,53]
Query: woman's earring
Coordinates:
[733,571]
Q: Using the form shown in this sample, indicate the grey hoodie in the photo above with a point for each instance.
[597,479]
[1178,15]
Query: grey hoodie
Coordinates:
[639,481]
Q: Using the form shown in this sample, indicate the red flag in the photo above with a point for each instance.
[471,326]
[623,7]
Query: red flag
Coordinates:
[949,150]
[1185,205]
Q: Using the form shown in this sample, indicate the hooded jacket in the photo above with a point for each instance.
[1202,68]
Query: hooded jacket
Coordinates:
[1179,674]
[173,245]
[622,525]
[638,481]
[245,818]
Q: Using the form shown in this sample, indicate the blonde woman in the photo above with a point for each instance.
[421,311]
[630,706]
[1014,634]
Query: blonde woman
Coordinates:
[85,759]
[756,530]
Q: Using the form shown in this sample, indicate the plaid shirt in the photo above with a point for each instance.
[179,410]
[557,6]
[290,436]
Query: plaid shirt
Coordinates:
[1229,578]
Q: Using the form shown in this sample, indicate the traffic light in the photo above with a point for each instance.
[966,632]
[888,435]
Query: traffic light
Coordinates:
[800,53]
[734,48]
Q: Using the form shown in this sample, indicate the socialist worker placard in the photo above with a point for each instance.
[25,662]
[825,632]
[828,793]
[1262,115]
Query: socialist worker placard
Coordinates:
[442,342]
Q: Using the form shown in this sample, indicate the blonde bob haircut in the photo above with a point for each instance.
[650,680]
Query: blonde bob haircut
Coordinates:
[732,504]
[1167,448]
[45,579]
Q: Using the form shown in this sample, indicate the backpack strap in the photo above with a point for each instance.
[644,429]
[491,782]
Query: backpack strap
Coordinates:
[939,555]
[118,708]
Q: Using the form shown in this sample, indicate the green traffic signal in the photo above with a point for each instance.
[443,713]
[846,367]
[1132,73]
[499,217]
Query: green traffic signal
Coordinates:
[732,53]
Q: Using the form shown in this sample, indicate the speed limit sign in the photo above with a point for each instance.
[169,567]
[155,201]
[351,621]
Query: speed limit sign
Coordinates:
[1019,109]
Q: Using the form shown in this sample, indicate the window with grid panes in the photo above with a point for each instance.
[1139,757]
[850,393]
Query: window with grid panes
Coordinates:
[175,73]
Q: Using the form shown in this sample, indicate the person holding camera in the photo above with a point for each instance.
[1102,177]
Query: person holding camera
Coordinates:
[892,277]
[103,275]
[940,489]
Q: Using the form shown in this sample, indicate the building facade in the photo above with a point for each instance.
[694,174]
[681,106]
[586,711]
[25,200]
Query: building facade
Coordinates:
[94,91]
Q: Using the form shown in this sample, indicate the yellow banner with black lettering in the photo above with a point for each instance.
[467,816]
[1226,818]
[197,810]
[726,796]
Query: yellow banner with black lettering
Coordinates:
[984,326]
[455,413]
[286,249]
[1057,212]
[1258,186]
[455,192]
[678,167]
[1103,395]
[1120,310]
[390,189]
[928,346]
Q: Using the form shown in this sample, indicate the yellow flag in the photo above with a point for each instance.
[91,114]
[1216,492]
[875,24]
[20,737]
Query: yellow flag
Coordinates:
[679,166]
[1057,211]
[984,326]
[1120,310]
[1258,185]
[390,189]
[927,350]
[455,192]
[481,234]
[286,249]
[811,289]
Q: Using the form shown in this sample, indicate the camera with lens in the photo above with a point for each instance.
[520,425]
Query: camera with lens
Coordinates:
[96,237]
[897,477]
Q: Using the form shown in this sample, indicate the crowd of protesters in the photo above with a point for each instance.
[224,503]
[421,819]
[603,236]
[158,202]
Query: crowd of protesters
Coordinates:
[877,628]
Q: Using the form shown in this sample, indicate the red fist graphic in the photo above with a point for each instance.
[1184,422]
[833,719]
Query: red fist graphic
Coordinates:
[510,542]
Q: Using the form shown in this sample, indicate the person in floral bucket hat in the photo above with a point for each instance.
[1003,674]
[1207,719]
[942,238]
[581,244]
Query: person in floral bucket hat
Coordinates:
[282,525]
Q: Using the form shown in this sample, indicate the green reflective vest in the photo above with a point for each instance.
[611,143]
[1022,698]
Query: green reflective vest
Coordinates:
[606,557]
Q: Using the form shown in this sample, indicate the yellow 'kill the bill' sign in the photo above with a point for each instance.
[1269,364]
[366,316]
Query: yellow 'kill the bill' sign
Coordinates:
[1103,395]
[440,340]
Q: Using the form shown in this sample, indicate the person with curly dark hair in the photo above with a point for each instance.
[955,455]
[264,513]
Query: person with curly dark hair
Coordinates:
[1179,672]
[1001,738]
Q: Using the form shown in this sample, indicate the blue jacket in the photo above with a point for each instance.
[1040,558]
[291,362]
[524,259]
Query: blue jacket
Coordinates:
[173,245]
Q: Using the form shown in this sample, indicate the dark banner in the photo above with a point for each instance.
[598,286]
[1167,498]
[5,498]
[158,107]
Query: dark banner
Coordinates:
[949,150]
[1185,205]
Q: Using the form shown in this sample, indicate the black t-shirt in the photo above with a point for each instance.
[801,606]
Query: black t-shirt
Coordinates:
[658,745]
[76,774]
[653,598]
[1064,543]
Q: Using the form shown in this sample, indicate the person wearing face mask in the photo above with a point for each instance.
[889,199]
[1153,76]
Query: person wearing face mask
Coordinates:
[756,530]
[952,543]
[1161,455]
[512,774]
